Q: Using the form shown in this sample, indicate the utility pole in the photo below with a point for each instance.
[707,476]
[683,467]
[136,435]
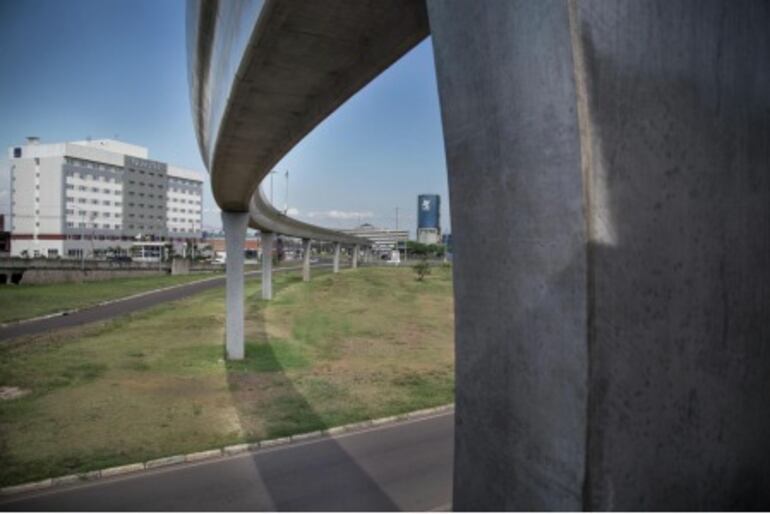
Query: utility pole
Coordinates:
[272,174]
[83,241]
[286,204]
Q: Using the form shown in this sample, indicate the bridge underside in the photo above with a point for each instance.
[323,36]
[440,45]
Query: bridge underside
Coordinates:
[301,62]
[610,198]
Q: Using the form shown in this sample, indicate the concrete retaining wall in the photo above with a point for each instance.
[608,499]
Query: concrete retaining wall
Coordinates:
[48,271]
[180,266]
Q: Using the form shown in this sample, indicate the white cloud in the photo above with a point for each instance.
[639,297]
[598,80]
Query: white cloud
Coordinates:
[292,211]
[341,215]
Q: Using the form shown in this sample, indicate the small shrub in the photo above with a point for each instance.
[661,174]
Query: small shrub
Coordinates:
[421,269]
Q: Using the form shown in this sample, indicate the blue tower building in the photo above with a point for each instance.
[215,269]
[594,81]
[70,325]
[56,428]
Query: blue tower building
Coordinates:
[429,219]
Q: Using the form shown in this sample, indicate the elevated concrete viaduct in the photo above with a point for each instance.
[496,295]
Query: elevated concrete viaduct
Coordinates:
[609,179]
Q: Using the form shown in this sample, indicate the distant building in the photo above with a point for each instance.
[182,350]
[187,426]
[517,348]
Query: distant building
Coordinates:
[384,240]
[80,197]
[251,247]
[429,219]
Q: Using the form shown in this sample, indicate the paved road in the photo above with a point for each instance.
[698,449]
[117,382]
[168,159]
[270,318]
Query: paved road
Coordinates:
[118,308]
[404,466]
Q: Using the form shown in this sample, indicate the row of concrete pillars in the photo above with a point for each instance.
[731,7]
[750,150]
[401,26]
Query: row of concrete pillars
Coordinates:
[235,224]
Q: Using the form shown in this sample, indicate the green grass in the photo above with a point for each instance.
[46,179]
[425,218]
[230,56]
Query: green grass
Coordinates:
[342,348]
[28,301]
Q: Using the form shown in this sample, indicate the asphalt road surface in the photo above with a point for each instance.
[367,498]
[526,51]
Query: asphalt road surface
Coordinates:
[118,308]
[403,466]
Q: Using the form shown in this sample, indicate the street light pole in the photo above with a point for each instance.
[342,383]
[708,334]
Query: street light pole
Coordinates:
[272,174]
[83,241]
[286,205]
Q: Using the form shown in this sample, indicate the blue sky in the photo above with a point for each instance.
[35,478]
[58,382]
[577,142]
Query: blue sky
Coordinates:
[106,68]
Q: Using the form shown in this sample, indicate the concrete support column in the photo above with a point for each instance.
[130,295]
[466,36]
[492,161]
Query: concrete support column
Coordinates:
[234,225]
[354,257]
[610,194]
[337,248]
[306,260]
[268,241]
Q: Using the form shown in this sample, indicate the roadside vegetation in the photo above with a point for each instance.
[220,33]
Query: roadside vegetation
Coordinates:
[356,345]
[23,301]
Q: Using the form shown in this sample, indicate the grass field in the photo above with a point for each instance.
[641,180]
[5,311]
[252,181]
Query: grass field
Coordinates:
[360,344]
[28,301]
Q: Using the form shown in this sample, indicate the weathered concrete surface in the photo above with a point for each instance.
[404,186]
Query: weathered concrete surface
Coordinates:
[508,108]
[268,241]
[676,105]
[612,324]
[354,257]
[234,225]
[306,260]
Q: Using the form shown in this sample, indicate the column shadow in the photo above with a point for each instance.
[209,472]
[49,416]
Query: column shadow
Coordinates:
[321,476]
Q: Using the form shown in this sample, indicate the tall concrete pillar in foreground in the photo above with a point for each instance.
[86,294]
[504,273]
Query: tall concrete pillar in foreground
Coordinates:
[234,225]
[610,187]
[354,257]
[306,260]
[336,262]
[268,241]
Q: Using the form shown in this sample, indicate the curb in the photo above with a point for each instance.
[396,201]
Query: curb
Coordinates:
[226,451]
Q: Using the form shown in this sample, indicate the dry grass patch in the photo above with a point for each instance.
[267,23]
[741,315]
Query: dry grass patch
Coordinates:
[342,348]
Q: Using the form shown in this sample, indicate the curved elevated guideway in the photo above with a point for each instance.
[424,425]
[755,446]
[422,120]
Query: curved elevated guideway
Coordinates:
[610,203]
[262,75]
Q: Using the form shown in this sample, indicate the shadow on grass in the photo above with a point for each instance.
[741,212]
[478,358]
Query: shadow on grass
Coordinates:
[318,476]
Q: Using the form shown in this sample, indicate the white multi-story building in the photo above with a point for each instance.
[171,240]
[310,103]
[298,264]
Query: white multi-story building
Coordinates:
[74,199]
